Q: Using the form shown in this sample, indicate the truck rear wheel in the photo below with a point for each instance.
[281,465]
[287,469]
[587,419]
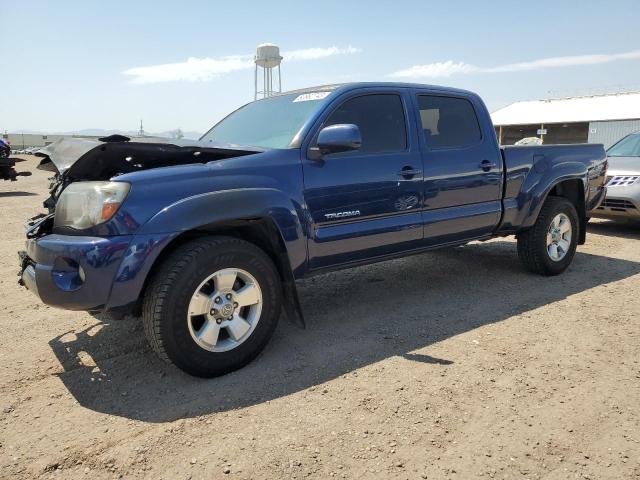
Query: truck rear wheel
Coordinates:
[549,246]
[212,305]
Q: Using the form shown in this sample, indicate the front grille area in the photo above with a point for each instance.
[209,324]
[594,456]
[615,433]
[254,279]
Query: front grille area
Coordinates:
[622,180]
[616,205]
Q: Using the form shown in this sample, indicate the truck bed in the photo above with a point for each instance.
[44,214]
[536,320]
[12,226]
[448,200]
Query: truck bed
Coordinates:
[532,171]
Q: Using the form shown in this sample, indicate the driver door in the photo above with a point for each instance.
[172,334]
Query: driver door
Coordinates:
[365,203]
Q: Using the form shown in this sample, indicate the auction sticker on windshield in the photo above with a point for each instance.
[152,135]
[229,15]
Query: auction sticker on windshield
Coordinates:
[305,97]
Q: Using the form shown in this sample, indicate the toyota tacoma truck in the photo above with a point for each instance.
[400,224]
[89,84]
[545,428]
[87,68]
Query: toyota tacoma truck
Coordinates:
[205,240]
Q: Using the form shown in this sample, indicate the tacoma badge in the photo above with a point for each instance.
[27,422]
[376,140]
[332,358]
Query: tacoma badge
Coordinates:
[351,213]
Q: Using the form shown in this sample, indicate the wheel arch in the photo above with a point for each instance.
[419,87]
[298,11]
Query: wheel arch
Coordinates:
[262,232]
[266,217]
[573,189]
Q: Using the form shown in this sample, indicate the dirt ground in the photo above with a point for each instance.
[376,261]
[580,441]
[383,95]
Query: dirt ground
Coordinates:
[453,364]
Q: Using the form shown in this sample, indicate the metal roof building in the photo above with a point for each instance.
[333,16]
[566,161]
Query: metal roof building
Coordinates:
[593,119]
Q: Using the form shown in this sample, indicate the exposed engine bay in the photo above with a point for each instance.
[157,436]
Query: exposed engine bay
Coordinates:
[74,160]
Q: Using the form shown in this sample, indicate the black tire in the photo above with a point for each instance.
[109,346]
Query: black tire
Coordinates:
[532,243]
[166,303]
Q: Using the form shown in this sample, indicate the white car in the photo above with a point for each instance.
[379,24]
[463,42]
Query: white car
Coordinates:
[529,141]
[623,181]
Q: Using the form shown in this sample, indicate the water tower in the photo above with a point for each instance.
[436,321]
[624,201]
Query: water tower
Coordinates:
[267,58]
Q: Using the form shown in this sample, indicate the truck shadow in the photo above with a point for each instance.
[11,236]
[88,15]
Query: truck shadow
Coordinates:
[354,318]
[615,229]
[17,194]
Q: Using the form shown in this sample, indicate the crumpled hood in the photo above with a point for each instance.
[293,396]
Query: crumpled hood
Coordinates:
[63,153]
[84,159]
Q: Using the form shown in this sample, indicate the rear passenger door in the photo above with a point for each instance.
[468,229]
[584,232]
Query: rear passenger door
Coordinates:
[365,203]
[462,168]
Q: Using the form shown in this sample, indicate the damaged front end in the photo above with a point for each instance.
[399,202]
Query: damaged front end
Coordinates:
[73,265]
[37,226]
[73,160]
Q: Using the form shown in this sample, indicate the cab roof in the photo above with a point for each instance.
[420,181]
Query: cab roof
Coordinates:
[355,85]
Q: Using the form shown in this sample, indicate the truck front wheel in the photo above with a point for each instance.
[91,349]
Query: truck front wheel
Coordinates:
[549,246]
[212,305]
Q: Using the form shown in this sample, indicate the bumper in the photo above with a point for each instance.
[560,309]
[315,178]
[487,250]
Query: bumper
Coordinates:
[75,273]
[619,204]
[89,273]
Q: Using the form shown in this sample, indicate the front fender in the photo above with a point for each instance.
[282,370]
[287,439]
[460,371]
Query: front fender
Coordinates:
[214,207]
[203,211]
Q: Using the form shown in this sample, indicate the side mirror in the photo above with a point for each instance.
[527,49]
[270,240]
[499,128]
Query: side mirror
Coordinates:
[342,137]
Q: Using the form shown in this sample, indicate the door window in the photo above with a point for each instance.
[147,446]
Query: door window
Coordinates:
[448,122]
[379,117]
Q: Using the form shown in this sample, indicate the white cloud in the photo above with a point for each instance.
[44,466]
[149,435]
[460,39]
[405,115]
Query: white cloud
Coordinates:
[193,70]
[448,68]
[435,70]
[571,61]
[204,69]
[317,53]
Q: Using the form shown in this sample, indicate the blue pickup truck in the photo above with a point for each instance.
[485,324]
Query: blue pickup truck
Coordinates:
[206,239]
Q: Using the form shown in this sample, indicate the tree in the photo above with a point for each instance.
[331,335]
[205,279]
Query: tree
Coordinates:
[177,134]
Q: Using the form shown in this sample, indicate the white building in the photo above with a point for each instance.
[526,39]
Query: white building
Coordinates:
[593,119]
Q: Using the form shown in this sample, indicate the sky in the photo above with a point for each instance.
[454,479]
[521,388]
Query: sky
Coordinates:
[69,65]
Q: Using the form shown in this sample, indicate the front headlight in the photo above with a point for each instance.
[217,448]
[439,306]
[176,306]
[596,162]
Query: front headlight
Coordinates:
[86,204]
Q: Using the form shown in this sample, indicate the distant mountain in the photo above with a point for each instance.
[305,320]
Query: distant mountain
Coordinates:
[101,132]
[132,133]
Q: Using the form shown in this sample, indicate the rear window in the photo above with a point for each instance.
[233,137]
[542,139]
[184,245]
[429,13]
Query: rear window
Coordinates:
[380,118]
[448,122]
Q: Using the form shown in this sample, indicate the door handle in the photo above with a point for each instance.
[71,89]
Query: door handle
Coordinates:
[408,172]
[487,165]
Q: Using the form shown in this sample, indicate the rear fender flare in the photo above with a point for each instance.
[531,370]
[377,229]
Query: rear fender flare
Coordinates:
[546,184]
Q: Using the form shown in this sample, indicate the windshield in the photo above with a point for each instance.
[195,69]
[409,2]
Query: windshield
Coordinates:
[268,123]
[627,147]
